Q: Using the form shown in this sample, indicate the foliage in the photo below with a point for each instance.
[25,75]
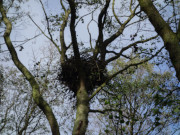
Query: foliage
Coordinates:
[141,101]
[19,114]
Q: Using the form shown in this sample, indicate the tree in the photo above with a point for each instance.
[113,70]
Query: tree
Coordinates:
[19,114]
[35,87]
[84,71]
[170,36]
[1,83]
[140,101]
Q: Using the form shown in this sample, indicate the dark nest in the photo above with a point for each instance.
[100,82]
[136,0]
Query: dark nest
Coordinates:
[95,72]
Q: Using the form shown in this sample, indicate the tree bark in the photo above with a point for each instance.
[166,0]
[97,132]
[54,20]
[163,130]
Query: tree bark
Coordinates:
[38,99]
[1,85]
[170,38]
[81,122]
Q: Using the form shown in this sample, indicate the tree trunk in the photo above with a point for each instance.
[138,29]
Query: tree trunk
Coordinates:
[81,122]
[1,85]
[38,99]
[82,104]
[171,39]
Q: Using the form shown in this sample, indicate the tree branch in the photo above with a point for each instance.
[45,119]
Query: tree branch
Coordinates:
[178,31]
[47,20]
[127,47]
[27,116]
[62,41]
[117,19]
[63,7]
[4,120]
[121,71]
[101,22]
[72,29]
[121,29]
[171,39]
[43,105]
[106,110]
[45,34]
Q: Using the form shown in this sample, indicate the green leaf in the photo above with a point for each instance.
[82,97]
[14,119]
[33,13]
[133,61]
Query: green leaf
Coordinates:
[110,116]
[157,118]
[134,119]
[123,129]
[127,122]
[156,111]
[119,96]
[107,131]
[157,124]
[176,110]
[106,102]
[120,112]
[121,121]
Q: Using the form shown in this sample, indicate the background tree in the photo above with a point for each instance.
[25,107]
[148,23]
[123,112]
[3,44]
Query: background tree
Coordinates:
[35,87]
[19,114]
[140,101]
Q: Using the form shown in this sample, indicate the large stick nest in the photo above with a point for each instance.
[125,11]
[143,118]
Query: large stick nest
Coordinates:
[95,73]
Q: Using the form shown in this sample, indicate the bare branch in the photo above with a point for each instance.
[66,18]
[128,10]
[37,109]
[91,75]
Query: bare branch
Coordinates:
[121,29]
[47,20]
[21,42]
[121,71]
[27,116]
[43,105]
[128,46]
[117,19]
[90,37]
[63,7]
[106,110]
[45,34]
[101,22]
[62,41]
[72,29]
[4,120]
[119,32]
[83,17]
[10,5]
